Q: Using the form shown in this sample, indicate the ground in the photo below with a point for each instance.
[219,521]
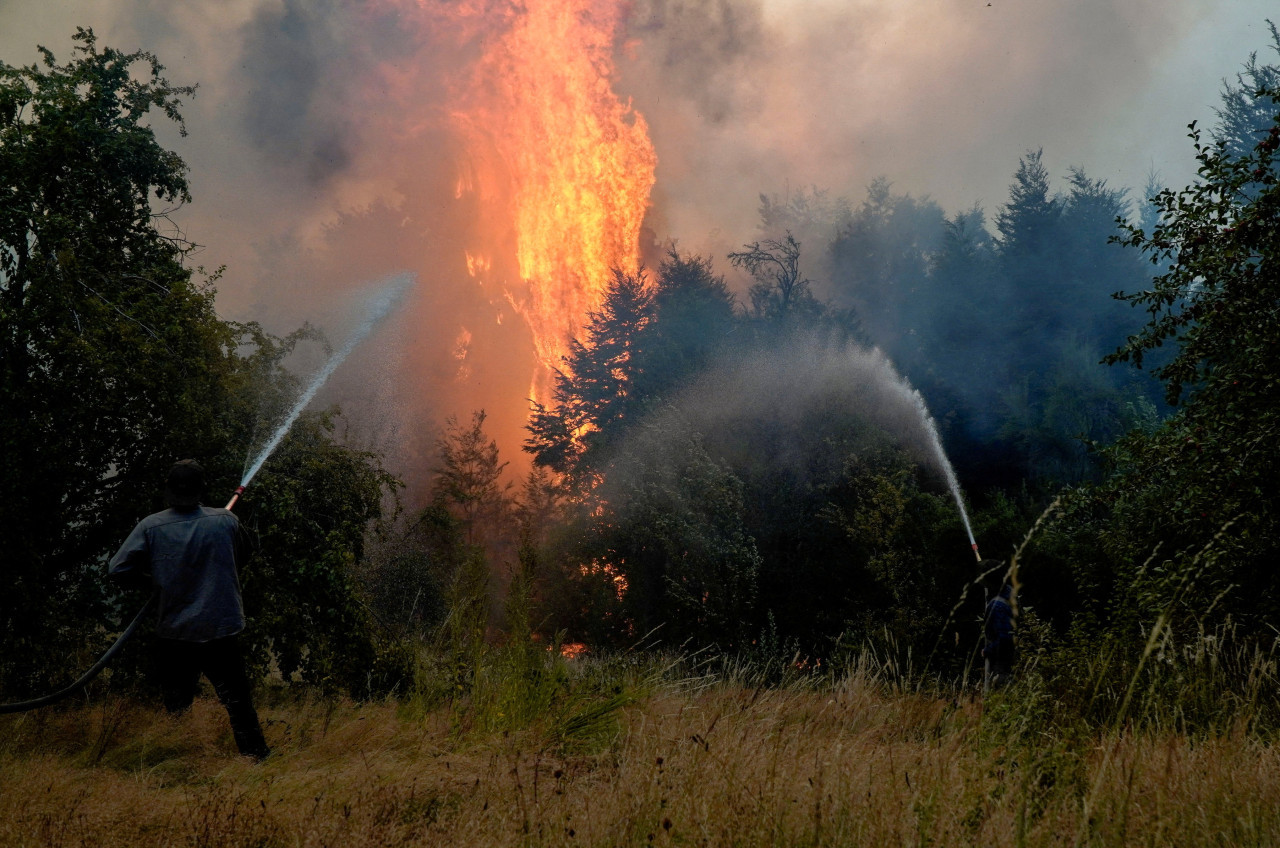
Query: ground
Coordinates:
[689,762]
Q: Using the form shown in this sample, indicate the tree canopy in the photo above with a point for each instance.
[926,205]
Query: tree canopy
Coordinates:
[111,352]
[114,363]
[1216,302]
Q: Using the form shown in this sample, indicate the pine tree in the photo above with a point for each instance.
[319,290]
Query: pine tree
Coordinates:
[593,392]
[1026,222]
[468,480]
[694,316]
[1246,113]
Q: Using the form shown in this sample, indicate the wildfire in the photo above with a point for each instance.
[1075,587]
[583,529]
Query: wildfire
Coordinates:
[576,160]
[551,171]
[461,349]
[573,650]
[610,571]
[477,264]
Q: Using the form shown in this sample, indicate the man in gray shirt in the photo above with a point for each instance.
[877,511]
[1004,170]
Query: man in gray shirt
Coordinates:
[189,553]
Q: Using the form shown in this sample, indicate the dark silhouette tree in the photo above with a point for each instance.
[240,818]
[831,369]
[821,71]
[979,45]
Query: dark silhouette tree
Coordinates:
[694,318]
[959,302]
[110,355]
[670,526]
[113,364]
[1245,116]
[780,291]
[1026,222]
[880,264]
[468,481]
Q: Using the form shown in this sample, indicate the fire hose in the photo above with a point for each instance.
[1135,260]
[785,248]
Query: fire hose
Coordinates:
[387,298]
[84,679]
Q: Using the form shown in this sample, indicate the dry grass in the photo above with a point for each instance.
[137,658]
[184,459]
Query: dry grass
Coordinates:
[723,764]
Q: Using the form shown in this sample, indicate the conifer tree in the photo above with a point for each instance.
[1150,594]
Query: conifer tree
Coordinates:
[593,392]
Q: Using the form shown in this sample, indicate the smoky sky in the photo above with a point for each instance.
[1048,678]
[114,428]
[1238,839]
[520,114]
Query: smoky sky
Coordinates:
[321,159]
[289,81]
[941,97]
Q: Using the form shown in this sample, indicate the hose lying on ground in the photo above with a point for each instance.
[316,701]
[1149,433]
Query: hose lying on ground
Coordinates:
[43,700]
[23,706]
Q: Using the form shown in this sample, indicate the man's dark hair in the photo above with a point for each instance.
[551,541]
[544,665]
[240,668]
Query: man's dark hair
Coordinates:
[185,484]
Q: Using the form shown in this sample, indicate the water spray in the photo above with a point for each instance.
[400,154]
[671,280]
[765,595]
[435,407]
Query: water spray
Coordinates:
[783,385]
[935,442]
[379,308]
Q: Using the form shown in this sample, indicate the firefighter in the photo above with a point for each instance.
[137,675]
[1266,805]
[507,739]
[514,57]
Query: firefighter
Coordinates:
[189,555]
[998,650]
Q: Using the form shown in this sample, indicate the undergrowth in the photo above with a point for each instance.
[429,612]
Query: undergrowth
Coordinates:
[1157,730]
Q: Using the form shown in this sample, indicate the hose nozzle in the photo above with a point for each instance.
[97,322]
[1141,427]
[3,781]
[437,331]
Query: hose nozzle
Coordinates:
[240,491]
[976,555]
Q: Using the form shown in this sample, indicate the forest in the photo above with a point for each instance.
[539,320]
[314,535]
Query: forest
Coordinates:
[731,493]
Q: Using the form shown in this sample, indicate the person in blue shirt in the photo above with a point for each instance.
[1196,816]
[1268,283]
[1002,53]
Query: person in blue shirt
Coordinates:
[998,650]
[189,554]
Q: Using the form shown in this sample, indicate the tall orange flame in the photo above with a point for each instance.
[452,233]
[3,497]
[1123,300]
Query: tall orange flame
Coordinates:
[577,160]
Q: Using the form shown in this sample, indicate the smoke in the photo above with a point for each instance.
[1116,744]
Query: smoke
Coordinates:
[291,87]
[942,97]
[323,158]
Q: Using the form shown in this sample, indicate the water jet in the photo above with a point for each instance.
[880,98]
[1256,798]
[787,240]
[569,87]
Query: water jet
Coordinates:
[948,472]
[384,301]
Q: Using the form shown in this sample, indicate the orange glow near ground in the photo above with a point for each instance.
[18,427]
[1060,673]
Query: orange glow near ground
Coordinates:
[573,650]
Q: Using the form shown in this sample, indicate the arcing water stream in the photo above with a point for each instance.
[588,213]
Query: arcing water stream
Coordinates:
[940,455]
[389,296]
[379,307]
[787,388]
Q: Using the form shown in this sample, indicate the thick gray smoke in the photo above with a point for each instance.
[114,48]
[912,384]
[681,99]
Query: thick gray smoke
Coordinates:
[294,71]
[745,96]
[321,160]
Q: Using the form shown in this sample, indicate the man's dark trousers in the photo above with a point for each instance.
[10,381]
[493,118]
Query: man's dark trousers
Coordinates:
[182,663]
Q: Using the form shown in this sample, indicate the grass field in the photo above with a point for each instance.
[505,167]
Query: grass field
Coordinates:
[656,759]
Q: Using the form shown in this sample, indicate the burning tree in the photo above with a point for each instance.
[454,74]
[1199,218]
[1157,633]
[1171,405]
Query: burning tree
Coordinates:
[724,474]
[593,391]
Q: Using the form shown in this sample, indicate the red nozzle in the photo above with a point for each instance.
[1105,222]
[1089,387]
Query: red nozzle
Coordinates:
[239,491]
[974,546]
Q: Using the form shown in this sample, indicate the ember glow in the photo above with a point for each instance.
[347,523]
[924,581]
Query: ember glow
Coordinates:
[573,650]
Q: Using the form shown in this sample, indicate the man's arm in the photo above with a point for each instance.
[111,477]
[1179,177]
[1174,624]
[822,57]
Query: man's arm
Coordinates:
[131,566]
